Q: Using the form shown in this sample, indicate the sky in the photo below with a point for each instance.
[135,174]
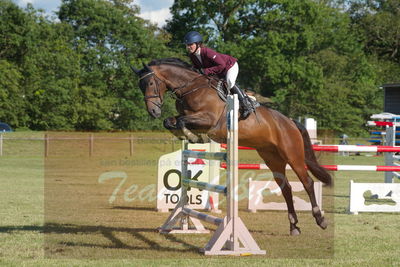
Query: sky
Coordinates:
[157,11]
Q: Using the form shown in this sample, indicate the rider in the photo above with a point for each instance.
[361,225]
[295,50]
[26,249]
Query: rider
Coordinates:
[210,62]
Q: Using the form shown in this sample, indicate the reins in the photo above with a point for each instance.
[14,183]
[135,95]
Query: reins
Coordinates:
[174,91]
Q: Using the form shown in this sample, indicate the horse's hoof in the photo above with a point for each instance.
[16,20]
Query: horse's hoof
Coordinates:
[295,231]
[193,141]
[323,223]
[205,138]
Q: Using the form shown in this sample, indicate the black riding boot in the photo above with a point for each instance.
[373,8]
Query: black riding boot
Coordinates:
[246,108]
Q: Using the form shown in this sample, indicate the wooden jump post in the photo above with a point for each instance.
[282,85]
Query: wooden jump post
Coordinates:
[231,236]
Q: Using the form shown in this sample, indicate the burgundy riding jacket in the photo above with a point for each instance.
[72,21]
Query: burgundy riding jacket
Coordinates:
[214,63]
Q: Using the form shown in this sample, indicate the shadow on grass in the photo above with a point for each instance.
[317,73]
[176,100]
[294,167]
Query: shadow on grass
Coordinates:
[133,208]
[108,233]
[28,228]
[341,196]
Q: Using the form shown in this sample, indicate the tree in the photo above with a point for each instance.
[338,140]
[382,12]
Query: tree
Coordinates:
[109,36]
[13,28]
[40,68]
[379,26]
[50,68]
[12,109]
[13,23]
[75,73]
[215,19]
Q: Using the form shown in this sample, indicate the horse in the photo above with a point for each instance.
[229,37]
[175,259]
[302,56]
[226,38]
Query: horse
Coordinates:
[277,139]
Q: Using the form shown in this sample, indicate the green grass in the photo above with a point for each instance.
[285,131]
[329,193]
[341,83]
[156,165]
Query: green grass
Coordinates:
[84,229]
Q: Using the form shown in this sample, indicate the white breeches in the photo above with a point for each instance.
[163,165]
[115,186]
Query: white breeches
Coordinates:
[232,74]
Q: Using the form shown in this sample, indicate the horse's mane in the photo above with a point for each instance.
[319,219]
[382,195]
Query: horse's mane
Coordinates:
[172,61]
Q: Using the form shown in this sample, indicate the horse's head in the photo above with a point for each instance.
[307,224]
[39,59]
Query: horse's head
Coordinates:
[165,74]
[153,89]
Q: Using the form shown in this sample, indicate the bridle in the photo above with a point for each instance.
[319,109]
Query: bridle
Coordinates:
[157,91]
[174,91]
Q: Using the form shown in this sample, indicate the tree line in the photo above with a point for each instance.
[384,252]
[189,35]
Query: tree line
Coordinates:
[318,58]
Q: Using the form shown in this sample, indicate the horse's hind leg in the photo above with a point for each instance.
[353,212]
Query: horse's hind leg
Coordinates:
[277,165]
[308,183]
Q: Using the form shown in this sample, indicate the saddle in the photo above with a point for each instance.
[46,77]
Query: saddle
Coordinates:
[222,89]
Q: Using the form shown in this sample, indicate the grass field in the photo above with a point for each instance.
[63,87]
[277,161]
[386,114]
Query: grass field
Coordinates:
[57,211]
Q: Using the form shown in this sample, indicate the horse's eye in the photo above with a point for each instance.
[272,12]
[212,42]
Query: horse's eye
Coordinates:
[151,83]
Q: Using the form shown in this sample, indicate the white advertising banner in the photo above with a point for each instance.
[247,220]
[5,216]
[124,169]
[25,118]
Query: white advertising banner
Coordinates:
[169,172]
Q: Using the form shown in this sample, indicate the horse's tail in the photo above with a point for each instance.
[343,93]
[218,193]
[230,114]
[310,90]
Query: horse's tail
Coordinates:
[311,161]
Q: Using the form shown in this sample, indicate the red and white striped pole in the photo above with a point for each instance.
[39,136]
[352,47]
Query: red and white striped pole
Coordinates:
[382,123]
[344,148]
[353,148]
[328,167]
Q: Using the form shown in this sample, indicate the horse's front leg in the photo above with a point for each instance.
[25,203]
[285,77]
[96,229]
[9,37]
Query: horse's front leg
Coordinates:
[171,125]
[194,126]
[177,127]
[192,137]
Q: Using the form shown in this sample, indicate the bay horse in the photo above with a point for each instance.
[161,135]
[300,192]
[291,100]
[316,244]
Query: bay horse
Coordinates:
[277,139]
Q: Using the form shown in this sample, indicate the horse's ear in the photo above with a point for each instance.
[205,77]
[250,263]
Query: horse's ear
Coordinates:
[146,67]
[135,70]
